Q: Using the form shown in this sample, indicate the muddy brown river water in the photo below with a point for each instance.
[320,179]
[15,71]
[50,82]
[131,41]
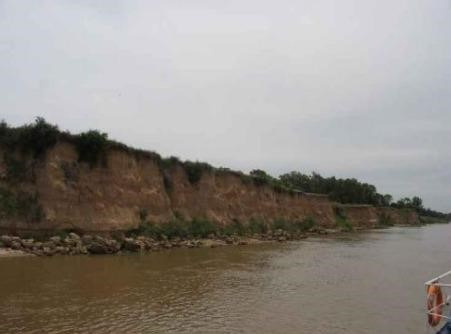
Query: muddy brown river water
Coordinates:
[369,282]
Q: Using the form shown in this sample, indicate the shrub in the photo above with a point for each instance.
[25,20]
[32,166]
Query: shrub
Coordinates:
[305,225]
[174,228]
[194,170]
[280,224]
[170,162]
[202,228]
[234,228]
[146,229]
[16,170]
[91,147]
[257,226]
[20,205]
[344,224]
[385,220]
[33,138]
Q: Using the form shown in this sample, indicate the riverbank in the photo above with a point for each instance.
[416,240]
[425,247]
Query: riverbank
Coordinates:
[87,244]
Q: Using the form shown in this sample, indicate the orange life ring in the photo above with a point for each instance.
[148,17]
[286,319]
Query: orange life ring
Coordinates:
[434,302]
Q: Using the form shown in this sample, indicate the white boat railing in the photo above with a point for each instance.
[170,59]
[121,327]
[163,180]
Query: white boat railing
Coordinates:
[438,282]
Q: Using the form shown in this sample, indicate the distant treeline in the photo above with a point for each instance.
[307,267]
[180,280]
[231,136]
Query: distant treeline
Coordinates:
[353,191]
[37,137]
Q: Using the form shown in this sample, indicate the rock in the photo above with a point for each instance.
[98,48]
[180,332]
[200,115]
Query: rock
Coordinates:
[28,243]
[16,245]
[48,251]
[37,245]
[37,252]
[61,250]
[70,242]
[97,248]
[133,245]
[212,243]
[6,240]
[98,245]
[48,244]
[55,239]
[229,240]
[86,239]
[281,238]
[100,239]
[119,236]
[242,242]
[113,245]
[74,236]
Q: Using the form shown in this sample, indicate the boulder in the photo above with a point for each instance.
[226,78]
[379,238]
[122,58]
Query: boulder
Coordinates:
[133,245]
[16,245]
[27,243]
[48,251]
[74,236]
[55,239]
[61,250]
[6,240]
[96,247]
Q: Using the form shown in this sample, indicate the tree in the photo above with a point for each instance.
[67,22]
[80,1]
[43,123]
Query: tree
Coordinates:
[387,199]
[417,203]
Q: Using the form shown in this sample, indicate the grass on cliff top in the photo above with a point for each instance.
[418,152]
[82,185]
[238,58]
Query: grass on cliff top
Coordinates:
[92,147]
[202,228]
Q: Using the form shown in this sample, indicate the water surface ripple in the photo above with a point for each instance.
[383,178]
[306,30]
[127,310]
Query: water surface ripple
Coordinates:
[361,283]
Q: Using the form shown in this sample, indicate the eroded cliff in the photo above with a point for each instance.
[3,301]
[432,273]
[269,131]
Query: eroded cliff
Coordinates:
[59,192]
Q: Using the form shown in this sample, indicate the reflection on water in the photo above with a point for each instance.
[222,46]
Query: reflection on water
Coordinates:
[362,283]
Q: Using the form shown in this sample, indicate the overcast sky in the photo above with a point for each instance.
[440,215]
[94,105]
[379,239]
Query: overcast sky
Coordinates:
[347,88]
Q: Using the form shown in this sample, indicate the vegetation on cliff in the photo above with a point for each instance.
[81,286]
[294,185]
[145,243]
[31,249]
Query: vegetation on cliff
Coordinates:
[179,227]
[33,140]
[352,191]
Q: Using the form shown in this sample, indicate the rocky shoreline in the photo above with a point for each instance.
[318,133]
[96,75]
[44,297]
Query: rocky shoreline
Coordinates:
[74,244]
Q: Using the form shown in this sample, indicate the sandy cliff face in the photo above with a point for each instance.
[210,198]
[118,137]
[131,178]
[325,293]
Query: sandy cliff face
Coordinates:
[73,195]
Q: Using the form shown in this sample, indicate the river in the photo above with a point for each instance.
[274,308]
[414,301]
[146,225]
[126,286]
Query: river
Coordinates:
[369,282]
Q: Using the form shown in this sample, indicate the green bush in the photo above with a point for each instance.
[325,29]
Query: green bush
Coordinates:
[91,147]
[280,224]
[194,170]
[234,228]
[33,138]
[298,226]
[16,170]
[170,162]
[344,224]
[20,205]
[304,225]
[385,220]
[256,226]
[202,228]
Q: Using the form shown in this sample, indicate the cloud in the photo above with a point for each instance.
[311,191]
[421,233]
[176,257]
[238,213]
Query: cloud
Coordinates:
[354,89]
